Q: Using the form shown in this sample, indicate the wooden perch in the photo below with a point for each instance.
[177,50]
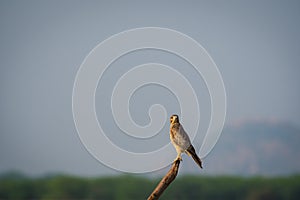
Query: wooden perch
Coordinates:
[165,182]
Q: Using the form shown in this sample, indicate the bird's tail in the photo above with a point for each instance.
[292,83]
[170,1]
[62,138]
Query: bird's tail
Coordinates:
[191,151]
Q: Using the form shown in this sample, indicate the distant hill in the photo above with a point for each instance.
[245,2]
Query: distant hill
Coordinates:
[133,187]
[253,148]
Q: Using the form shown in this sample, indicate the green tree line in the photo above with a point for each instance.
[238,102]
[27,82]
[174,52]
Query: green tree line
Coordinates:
[130,187]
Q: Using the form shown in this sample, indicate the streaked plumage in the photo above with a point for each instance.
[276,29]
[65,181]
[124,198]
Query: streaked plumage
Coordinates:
[181,140]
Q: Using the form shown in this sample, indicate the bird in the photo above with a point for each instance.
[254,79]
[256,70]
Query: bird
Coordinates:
[181,140]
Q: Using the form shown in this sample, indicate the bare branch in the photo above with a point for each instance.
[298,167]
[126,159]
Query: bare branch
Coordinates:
[165,181]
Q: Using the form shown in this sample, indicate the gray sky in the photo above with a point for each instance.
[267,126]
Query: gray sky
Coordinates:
[255,44]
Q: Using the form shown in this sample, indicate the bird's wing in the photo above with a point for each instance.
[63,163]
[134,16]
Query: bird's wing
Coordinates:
[191,151]
[184,138]
[179,138]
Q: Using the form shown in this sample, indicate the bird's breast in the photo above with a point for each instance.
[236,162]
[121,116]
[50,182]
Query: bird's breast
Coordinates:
[173,131]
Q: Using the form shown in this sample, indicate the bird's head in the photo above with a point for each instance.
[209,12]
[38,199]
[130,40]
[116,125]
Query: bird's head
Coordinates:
[174,119]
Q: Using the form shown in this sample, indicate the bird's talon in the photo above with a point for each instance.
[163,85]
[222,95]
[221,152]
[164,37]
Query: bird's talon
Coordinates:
[178,158]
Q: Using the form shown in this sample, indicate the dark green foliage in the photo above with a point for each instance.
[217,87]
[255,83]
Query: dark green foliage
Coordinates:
[128,187]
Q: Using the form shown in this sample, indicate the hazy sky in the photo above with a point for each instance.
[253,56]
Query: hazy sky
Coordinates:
[255,45]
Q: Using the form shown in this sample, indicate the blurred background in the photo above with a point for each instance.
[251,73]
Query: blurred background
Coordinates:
[255,45]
